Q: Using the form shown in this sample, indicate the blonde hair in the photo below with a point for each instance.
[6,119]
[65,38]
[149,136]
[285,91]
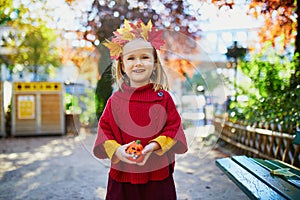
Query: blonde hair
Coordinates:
[158,77]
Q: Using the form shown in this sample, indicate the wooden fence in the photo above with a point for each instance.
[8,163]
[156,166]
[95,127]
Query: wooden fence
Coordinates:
[259,142]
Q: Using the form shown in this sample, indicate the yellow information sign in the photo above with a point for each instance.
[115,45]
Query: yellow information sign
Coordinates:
[26,107]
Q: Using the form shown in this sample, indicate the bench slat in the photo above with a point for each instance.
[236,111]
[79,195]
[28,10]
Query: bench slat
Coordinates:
[251,185]
[281,164]
[273,165]
[275,182]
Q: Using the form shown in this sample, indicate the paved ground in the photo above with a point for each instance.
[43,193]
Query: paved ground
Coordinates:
[63,168]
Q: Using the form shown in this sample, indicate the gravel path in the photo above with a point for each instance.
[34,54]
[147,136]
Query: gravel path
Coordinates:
[62,168]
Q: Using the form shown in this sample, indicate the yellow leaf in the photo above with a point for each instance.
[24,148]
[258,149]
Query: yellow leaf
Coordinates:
[146,29]
[282,172]
[127,35]
[125,32]
[127,24]
[114,47]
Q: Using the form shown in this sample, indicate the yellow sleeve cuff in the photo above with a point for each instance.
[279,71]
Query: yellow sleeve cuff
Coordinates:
[165,142]
[110,147]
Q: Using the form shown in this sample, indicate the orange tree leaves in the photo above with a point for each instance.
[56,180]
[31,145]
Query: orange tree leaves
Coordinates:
[280,19]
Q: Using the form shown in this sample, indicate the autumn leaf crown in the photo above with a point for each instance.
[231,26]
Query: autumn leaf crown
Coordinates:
[132,31]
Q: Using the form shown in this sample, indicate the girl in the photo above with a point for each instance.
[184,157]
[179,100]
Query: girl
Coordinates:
[141,110]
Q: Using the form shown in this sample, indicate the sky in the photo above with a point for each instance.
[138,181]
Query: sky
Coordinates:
[235,18]
[211,17]
[64,16]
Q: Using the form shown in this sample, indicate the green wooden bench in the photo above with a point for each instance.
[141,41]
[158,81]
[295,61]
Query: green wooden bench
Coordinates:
[256,177]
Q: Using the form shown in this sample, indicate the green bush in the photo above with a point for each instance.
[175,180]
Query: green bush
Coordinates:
[271,98]
[72,104]
[84,105]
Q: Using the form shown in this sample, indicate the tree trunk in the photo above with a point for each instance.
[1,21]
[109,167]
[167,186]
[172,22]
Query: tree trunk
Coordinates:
[104,85]
[103,91]
[35,73]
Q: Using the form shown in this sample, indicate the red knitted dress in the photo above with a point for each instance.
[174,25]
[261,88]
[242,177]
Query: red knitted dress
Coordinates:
[141,113]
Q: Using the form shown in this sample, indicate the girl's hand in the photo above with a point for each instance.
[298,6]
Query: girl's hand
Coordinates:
[148,149]
[122,155]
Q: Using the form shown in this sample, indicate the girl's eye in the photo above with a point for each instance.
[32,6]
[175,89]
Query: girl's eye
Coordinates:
[130,58]
[145,57]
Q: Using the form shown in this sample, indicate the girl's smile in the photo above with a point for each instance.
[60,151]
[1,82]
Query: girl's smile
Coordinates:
[139,70]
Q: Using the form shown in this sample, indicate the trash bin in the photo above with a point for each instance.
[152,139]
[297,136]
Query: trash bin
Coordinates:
[37,108]
[2,114]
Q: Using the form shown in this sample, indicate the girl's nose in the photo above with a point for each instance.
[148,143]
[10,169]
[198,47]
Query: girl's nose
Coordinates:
[138,62]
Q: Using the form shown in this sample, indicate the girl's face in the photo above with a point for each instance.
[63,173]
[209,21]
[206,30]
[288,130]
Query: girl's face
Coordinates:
[138,62]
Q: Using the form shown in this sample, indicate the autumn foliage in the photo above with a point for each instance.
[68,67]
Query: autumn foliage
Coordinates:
[279,17]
